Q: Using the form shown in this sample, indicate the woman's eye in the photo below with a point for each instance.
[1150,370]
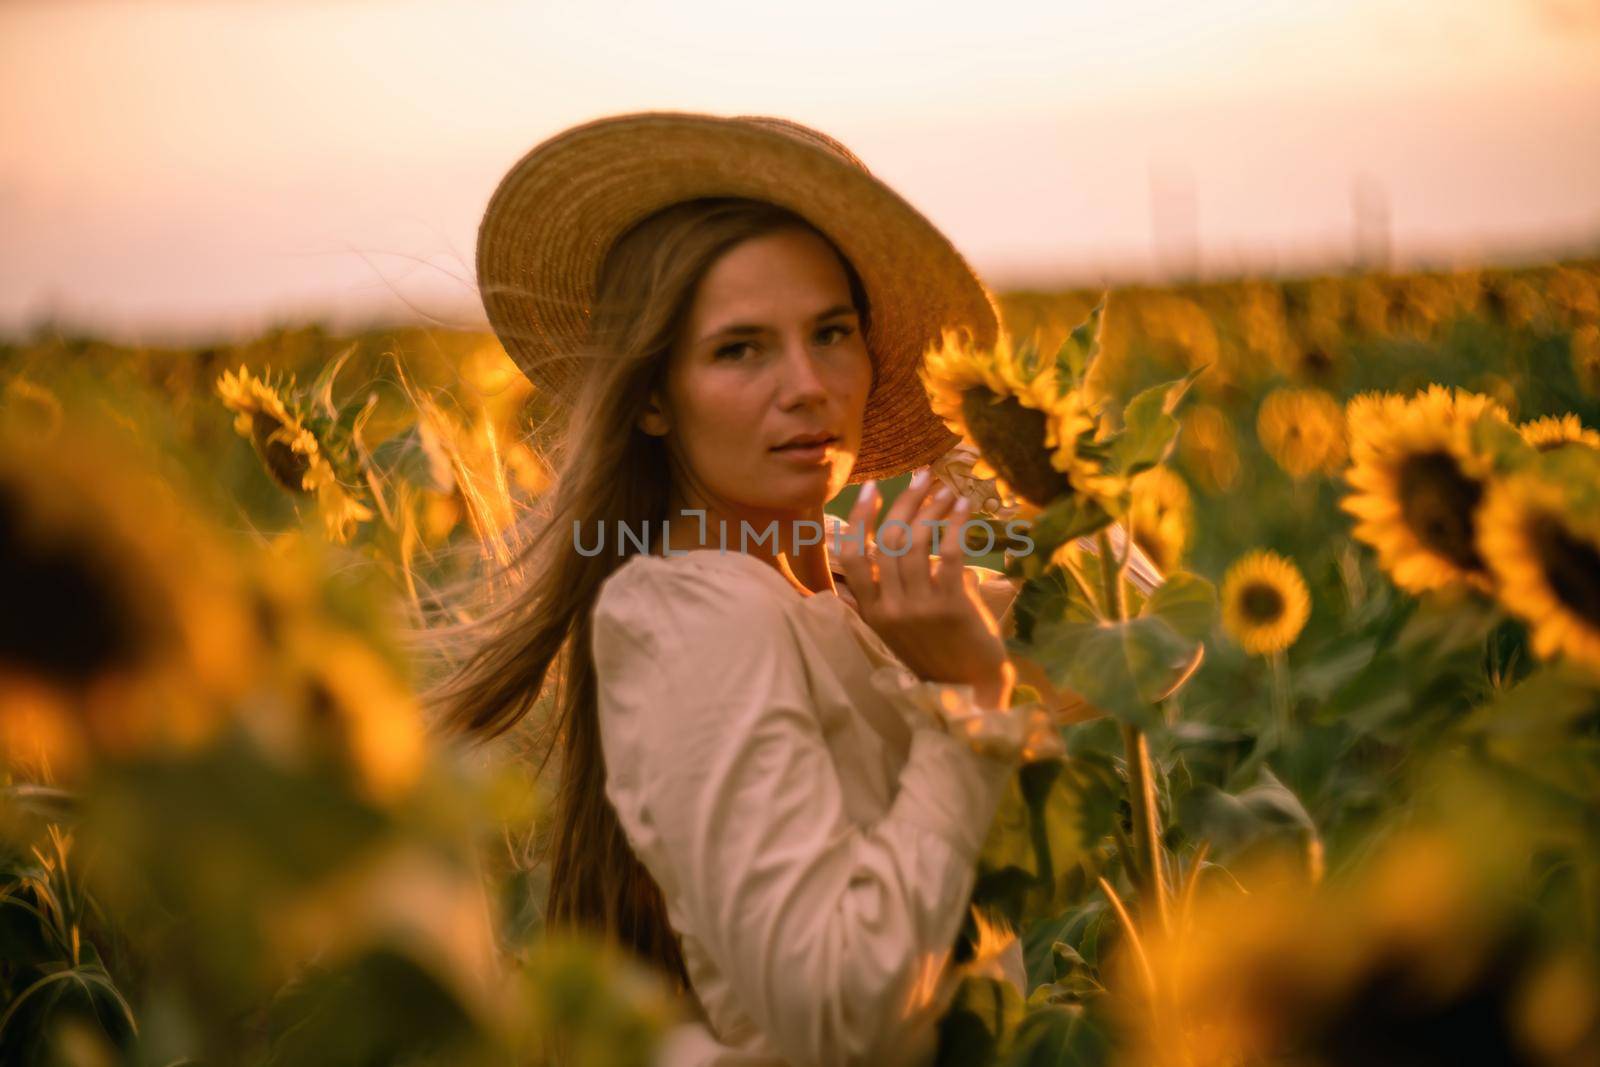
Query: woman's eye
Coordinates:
[732,350]
[844,331]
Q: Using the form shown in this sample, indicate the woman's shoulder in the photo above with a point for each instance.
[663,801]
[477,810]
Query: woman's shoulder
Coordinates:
[697,592]
[687,633]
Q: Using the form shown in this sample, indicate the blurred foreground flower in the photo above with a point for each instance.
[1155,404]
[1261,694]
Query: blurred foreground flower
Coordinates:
[588,1005]
[126,627]
[1423,957]
[32,407]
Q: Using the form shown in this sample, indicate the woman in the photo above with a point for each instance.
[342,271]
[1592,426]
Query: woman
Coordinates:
[774,792]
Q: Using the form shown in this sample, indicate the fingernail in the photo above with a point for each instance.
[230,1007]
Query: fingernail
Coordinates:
[919,479]
[868,491]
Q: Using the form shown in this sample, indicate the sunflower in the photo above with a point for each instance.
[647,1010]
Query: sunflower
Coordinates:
[1541,538]
[291,452]
[1417,477]
[341,706]
[1555,431]
[126,628]
[1263,327]
[358,714]
[1575,293]
[1368,307]
[1510,301]
[1161,515]
[1028,425]
[1175,326]
[265,418]
[1315,354]
[1303,430]
[1264,602]
[1421,954]
[1206,446]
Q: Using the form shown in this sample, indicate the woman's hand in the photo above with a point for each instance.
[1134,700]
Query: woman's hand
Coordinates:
[926,608]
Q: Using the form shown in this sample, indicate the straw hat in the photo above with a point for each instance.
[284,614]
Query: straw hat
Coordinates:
[553,217]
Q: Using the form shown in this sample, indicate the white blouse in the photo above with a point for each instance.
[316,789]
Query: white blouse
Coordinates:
[813,828]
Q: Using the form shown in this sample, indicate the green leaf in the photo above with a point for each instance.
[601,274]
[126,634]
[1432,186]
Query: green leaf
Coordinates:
[1027,356]
[1187,602]
[1441,625]
[1544,726]
[1060,1034]
[1149,427]
[982,1016]
[1502,441]
[1576,469]
[1049,597]
[1078,351]
[1266,815]
[379,1008]
[1069,517]
[1318,677]
[1041,833]
[1122,668]
[1009,842]
[405,456]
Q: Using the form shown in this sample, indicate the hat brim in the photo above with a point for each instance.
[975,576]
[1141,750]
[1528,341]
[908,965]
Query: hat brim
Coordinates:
[554,215]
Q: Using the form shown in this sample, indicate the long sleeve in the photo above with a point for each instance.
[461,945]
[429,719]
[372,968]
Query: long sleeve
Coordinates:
[831,935]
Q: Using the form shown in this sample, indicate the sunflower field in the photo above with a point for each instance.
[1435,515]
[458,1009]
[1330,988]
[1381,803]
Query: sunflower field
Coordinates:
[1330,796]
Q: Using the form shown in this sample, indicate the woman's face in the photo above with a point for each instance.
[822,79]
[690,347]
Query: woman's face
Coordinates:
[772,348]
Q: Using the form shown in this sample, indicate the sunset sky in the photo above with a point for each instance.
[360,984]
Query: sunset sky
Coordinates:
[172,169]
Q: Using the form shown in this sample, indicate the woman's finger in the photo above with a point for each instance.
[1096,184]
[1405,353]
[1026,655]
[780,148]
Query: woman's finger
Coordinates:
[916,572]
[952,551]
[894,540]
[896,531]
[853,551]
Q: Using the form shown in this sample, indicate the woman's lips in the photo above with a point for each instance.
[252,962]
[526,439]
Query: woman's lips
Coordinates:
[808,454]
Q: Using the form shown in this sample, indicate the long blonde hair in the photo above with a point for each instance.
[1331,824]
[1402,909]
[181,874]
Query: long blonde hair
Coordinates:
[512,646]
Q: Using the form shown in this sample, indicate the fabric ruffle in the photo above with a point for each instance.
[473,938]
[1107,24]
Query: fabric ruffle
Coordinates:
[1021,733]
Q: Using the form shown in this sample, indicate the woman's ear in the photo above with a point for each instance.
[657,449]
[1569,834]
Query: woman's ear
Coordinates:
[653,420]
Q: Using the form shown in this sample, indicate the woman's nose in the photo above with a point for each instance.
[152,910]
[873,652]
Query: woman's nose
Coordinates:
[802,379]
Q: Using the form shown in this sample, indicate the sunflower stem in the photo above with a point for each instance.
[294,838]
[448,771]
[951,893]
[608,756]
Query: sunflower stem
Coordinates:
[1115,600]
[1281,711]
[1148,870]
[1089,595]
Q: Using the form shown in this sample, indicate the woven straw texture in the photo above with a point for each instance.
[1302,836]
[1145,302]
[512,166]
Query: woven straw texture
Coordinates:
[555,213]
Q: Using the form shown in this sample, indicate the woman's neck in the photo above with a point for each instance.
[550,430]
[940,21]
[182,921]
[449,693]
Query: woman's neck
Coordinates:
[794,543]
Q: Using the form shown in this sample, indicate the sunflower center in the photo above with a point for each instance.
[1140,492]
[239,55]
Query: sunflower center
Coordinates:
[1316,362]
[64,620]
[286,466]
[1571,566]
[1012,438]
[1438,502]
[1261,603]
